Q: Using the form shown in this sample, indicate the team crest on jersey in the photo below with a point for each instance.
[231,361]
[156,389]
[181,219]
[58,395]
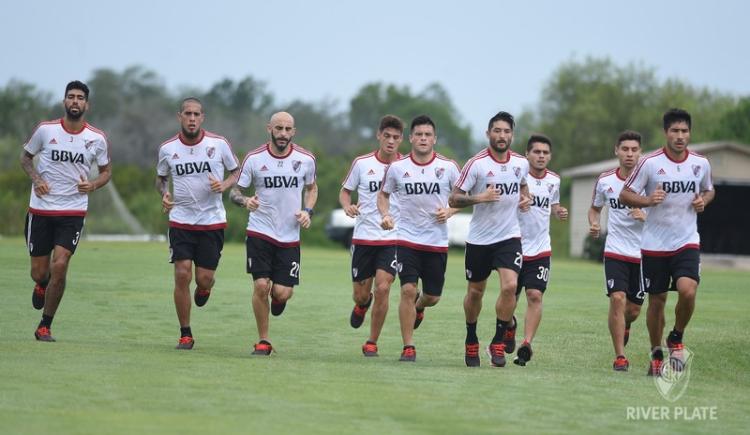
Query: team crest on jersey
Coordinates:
[53,141]
[611,283]
[661,172]
[210,151]
[439,172]
[296,165]
[550,187]
[696,170]
[490,174]
[175,156]
[517,171]
[538,182]
[88,144]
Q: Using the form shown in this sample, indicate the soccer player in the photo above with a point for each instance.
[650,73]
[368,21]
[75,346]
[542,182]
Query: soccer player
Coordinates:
[195,160]
[677,185]
[622,251]
[422,181]
[278,171]
[373,249]
[67,148]
[544,186]
[494,182]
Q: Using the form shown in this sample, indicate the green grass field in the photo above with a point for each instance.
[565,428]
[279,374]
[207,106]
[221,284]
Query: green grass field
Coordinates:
[114,368]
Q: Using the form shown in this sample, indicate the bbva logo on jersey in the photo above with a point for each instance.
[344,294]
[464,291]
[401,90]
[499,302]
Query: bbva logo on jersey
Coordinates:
[66,156]
[505,189]
[279,181]
[190,168]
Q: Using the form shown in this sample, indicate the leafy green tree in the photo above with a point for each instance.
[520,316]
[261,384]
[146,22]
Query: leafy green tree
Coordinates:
[377,99]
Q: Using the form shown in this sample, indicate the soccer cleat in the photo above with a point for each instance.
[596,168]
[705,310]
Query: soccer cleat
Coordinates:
[472,355]
[277,307]
[370,349]
[676,355]
[509,338]
[262,348]
[358,313]
[37,297]
[409,354]
[42,333]
[621,364]
[523,355]
[419,318]
[654,369]
[186,343]
[201,296]
[496,351]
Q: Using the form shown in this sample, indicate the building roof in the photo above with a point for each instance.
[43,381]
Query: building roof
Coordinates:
[594,169]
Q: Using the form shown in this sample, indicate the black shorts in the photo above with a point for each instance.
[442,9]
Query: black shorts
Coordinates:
[203,247]
[367,259]
[481,260]
[266,260]
[428,266]
[534,275]
[43,233]
[624,276]
[657,271]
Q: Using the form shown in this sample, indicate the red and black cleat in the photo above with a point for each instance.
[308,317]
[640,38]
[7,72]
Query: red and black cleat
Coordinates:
[186,343]
[472,355]
[42,333]
[37,297]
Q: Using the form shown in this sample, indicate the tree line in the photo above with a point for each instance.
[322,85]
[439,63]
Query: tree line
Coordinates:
[582,107]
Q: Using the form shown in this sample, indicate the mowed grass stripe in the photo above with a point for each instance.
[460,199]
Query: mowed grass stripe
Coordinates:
[114,369]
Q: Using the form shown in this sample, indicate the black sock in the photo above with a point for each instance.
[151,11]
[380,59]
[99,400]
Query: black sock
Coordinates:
[46,321]
[500,328]
[675,336]
[657,354]
[471,333]
[186,332]
[265,342]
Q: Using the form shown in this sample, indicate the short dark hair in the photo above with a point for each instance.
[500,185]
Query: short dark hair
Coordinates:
[628,135]
[422,120]
[81,86]
[538,137]
[675,115]
[391,121]
[502,116]
[191,100]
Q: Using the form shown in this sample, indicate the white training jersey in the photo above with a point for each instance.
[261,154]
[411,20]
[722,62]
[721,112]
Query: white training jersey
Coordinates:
[365,177]
[623,231]
[422,189]
[535,240]
[64,157]
[672,225]
[493,222]
[278,182]
[196,207]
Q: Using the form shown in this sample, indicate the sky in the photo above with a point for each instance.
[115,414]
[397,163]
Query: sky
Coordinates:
[488,55]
